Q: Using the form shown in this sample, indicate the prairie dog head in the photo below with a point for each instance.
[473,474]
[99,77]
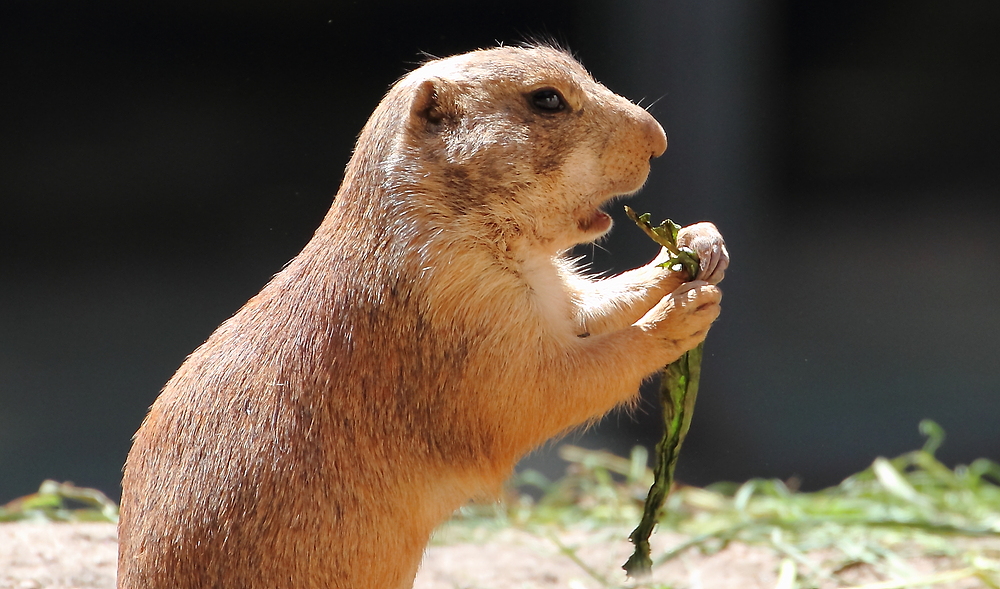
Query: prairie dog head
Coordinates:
[520,142]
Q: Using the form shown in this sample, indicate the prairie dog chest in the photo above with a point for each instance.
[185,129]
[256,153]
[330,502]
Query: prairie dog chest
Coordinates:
[549,296]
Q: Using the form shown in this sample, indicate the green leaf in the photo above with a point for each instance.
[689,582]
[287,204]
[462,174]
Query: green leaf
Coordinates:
[665,234]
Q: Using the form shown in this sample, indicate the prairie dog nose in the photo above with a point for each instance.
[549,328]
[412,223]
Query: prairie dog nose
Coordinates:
[654,132]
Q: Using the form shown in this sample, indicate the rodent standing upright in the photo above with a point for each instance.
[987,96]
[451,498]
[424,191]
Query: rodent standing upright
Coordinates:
[428,336]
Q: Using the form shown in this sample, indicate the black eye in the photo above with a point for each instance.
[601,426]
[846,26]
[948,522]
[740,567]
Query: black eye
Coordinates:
[548,100]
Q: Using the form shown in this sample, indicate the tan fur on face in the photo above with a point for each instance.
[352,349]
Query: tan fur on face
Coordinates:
[427,337]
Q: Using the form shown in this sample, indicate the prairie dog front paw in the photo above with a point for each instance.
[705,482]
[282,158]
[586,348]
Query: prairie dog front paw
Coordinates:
[682,318]
[706,241]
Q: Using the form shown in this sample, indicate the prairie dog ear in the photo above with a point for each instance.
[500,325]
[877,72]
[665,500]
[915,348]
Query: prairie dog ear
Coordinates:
[433,103]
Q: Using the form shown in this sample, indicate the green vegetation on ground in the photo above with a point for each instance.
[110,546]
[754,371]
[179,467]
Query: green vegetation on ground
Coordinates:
[897,509]
[62,502]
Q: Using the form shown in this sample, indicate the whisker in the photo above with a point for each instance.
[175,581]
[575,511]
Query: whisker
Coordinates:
[652,104]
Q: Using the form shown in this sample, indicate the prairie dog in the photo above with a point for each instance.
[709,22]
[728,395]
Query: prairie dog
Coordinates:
[429,335]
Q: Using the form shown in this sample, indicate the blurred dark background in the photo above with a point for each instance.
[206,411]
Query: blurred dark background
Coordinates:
[159,161]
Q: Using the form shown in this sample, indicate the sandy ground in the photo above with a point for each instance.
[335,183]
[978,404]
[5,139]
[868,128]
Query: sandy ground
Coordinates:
[64,556]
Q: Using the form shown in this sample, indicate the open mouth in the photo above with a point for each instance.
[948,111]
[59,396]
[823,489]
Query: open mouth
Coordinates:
[597,221]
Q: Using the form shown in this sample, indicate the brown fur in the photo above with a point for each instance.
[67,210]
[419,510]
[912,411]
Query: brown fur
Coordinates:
[427,337]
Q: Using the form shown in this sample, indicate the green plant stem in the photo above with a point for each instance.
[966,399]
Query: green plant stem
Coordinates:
[678,393]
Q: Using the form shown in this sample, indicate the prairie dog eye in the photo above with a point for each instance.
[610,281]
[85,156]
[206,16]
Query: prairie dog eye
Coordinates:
[547,100]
